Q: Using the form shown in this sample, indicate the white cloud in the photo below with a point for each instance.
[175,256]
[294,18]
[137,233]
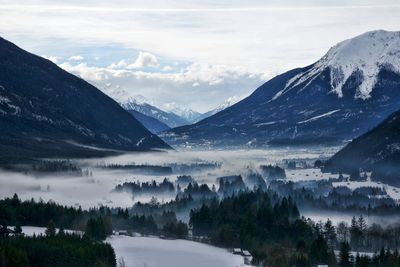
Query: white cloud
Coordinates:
[144,59]
[262,36]
[224,44]
[167,68]
[190,86]
[119,65]
[76,58]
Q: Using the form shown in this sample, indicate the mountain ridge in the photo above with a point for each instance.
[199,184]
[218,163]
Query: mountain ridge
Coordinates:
[169,118]
[296,108]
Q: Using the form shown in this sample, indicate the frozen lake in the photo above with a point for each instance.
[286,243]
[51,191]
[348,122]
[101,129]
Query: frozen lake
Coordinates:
[155,252]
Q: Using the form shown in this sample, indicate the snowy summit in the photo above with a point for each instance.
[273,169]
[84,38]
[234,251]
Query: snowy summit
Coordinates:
[365,55]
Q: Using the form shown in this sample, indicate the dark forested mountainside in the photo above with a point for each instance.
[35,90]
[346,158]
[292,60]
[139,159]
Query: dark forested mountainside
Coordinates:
[377,151]
[152,124]
[48,112]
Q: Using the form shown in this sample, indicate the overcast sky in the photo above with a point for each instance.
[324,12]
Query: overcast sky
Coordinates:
[196,53]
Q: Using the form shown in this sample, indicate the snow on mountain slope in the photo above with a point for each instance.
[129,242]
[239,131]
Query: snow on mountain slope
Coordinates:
[229,102]
[366,54]
[141,105]
[350,90]
[183,111]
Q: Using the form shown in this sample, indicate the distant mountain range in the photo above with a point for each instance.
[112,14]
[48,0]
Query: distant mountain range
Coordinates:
[184,112]
[350,90]
[171,115]
[48,112]
[168,118]
[377,151]
[193,116]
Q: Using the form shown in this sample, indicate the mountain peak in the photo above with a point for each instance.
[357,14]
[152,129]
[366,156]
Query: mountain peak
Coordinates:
[183,111]
[365,54]
[328,102]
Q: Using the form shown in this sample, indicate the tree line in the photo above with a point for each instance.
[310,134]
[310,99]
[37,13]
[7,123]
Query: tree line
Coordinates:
[59,249]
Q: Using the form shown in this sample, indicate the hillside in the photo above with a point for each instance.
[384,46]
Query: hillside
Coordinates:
[377,151]
[48,112]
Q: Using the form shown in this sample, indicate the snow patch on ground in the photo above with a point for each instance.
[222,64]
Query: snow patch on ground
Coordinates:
[392,191]
[309,174]
[319,116]
[35,230]
[155,252]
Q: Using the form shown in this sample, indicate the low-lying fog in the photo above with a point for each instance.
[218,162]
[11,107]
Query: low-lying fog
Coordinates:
[96,189]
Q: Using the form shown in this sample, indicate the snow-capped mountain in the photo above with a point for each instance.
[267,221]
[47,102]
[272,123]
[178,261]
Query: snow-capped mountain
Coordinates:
[347,92]
[364,55]
[193,116]
[187,113]
[48,112]
[153,118]
[140,104]
[229,102]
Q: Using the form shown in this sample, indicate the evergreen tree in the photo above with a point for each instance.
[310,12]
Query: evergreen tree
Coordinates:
[355,233]
[61,231]
[95,229]
[51,229]
[330,233]
[17,229]
[344,255]
[319,251]
[342,232]
[362,226]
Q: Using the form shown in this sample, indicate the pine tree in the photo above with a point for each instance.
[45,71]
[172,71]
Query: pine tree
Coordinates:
[342,232]
[344,255]
[61,231]
[51,229]
[362,226]
[17,229]
[354,233]
[329,233]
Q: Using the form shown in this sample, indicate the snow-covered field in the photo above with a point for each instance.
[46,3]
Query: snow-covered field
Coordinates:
[155,252]
[35,230]
[392,191]
[310,174]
